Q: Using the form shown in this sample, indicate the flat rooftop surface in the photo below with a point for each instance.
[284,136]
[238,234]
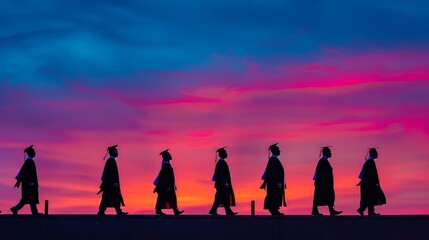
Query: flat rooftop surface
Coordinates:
[213,227]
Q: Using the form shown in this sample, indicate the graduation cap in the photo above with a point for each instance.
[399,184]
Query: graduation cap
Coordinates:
[163,153]
[219,150]
[272,147]
[370,150]
[28,149]
[109,150]
[323,149]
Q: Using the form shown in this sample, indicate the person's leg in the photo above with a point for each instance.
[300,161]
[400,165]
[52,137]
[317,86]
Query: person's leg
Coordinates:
[363,203]
[117,204]
[361,209]
[33,208]
[173,203]
[177,211]
[271,201]
[228,210]
[315,210]
[159,204]
[216,203]
[103,205]
[118,209]
[275,211]
[213,210]
[332,211]
[277,202]
[371,211]
[17,207]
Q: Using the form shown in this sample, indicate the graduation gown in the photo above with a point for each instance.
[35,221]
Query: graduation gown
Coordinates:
[27,176]
[274,174]
[324,193]
[371,193]
[110,176]
[224,195]
[166,188]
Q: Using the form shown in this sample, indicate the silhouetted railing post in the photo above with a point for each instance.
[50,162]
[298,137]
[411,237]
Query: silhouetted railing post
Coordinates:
[46,207]
[252,207]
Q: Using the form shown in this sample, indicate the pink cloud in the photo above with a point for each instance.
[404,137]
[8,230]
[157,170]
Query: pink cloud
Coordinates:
[351,102]
[200,134]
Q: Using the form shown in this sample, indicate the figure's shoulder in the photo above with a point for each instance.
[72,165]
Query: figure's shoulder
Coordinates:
[28,162]
[166,165]
[370,163]
[323,163]
[110,161]
[273,159]
[221,162]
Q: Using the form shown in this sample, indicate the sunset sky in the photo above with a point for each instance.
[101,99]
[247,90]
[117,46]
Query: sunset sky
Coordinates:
[78,76]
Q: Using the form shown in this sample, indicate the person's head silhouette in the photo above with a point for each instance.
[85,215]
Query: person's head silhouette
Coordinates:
[275,150]
[222,153]
[373,153]
[166,156]
[326,151]
[113,151]
[30,151]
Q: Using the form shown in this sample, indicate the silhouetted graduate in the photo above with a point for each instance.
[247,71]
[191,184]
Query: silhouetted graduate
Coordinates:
[324,193]
[370,191]
[224,191]
[110,186]
[166,186]
[27,176]
[274,182]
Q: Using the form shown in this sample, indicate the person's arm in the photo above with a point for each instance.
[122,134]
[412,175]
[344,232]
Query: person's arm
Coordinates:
[32,175]
[19,176]
[108,174]
[223,175]
[280,175]
[372,174]
[322,174]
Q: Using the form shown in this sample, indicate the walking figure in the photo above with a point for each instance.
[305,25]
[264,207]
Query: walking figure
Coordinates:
[27,176]
[166,187]
[324,193]
[224,191]
[110,186]
[370,191]
[274,182]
